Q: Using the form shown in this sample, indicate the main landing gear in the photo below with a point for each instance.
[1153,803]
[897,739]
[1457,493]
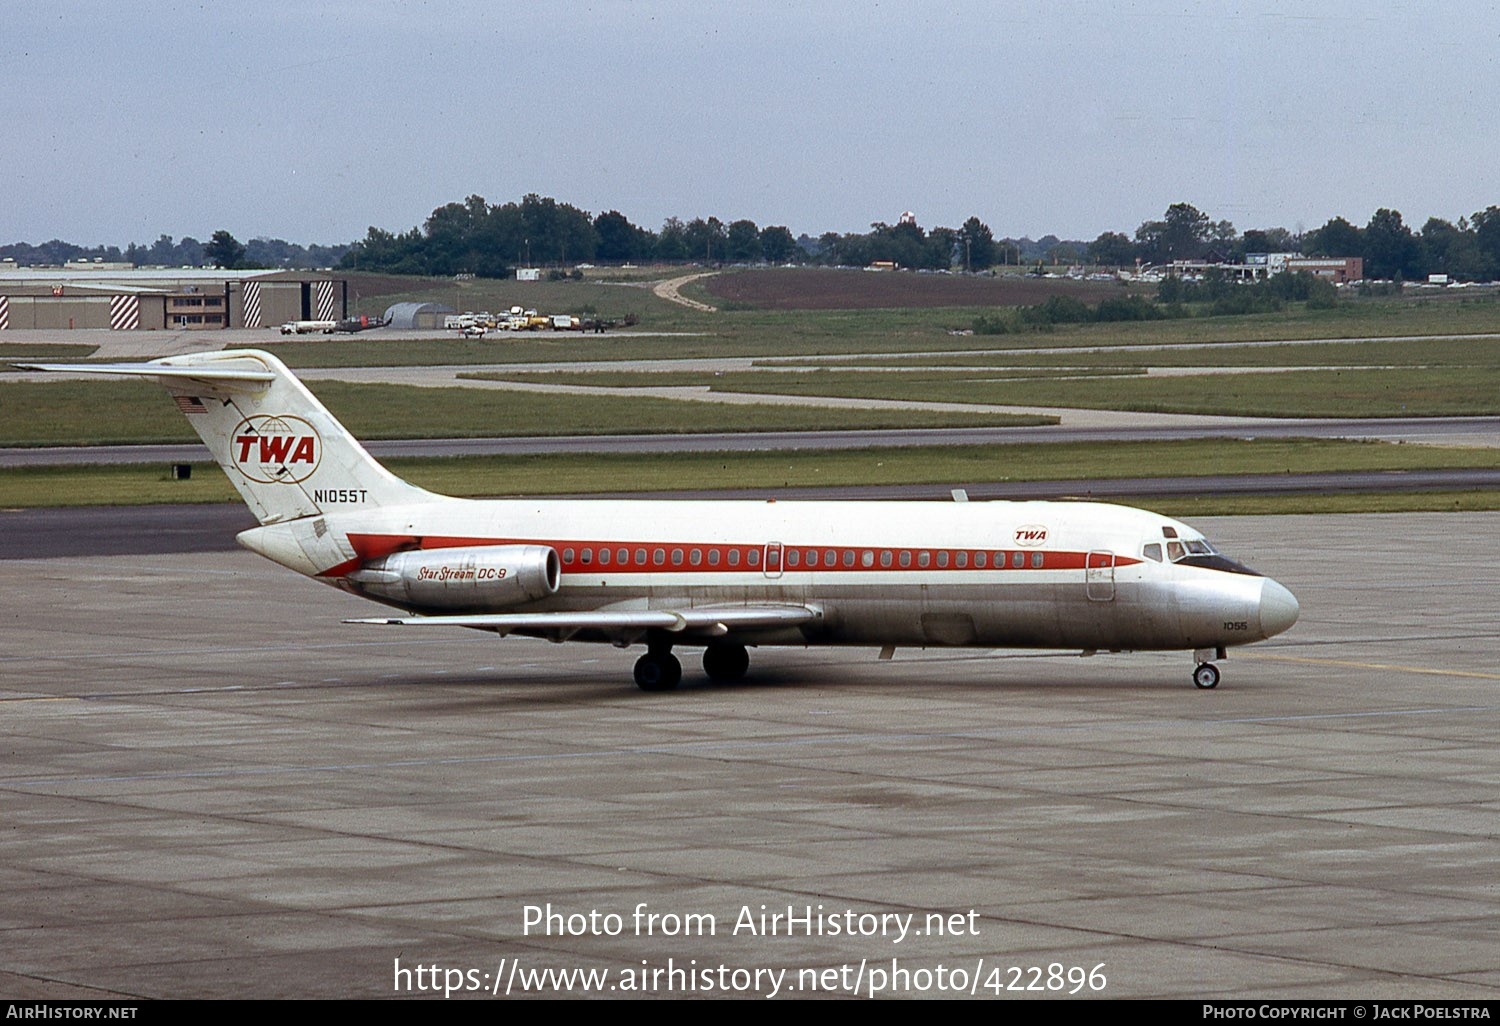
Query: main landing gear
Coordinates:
[725,662]
[659,670]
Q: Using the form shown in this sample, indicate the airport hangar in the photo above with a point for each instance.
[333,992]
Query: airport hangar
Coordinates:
[187,298]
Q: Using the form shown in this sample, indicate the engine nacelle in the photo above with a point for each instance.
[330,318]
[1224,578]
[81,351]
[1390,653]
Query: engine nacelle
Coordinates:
[483,579]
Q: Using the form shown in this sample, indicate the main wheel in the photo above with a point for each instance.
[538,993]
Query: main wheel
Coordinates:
[725,662]
[657,671]
[1206,676]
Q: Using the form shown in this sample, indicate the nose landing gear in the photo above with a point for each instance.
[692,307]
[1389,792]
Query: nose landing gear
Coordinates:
[1206,676]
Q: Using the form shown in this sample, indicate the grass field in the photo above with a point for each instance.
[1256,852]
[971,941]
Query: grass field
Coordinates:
[946,465]
[780,288]
[1426,352]
[1355,392]
[916,319]
[123,413]
[44,351]
[1396,392]
[1436,374]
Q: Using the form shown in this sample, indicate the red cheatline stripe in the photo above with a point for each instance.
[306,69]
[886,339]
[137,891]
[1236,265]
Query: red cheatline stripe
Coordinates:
[625,557]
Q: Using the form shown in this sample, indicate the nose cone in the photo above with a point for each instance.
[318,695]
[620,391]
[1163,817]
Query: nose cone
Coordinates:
[1278,608]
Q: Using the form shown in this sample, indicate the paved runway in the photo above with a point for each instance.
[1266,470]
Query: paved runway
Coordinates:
[212,788]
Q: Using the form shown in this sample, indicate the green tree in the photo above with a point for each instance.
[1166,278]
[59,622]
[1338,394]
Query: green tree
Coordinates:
[671,241]
[1182,234]
[1112,249]
[1486,227]
[705,239]
[1391,251]
[1454,250]
[1337,238]
[742,242]
[224,250]
[978,244]
[777,244]
[619,239]
[452,232]
[943,245]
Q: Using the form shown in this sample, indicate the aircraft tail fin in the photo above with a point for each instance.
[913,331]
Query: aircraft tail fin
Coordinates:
[280,447]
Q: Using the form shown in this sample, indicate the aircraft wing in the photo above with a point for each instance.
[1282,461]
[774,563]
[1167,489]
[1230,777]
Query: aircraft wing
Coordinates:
[714,622]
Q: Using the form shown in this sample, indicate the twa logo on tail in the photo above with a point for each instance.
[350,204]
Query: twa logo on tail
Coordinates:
[275,450]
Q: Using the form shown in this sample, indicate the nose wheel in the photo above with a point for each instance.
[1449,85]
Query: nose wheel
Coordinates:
[1206,676]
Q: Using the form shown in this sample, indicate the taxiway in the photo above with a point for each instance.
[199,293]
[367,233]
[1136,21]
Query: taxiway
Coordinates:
[213,788]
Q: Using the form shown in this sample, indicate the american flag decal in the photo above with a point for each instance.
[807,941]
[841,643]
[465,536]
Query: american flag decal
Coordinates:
[190,404]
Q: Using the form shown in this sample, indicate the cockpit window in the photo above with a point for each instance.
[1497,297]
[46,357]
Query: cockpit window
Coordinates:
[1198,552]
[1152,551]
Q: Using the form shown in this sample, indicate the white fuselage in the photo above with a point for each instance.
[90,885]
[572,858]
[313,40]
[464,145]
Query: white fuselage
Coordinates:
[991,574]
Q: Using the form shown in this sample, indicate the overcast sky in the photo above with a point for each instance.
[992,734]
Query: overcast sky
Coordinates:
[311,121]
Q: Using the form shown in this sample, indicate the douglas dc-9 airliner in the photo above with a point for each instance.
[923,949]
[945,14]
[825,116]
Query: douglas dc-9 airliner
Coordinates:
[721,575]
